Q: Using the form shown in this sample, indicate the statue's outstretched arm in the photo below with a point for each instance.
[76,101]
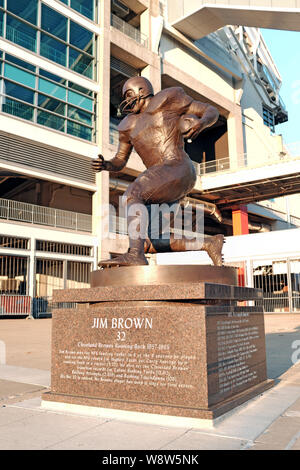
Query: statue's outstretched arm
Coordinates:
[120,159]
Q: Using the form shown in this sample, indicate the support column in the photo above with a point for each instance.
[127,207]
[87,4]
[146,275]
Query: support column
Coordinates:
[31,274]
[235,138]
[240,220]
[101,214]
[151,24]
[31,270]
[290,286]
[100,198]
[240,227]
[153,74]
[103,104]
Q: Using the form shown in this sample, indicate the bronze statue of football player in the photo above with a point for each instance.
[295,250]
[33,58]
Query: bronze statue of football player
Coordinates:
[156,126]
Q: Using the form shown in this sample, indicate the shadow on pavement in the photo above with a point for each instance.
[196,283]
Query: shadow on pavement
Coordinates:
[282,349]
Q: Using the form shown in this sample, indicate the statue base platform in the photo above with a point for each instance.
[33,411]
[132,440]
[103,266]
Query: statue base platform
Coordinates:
[180,347]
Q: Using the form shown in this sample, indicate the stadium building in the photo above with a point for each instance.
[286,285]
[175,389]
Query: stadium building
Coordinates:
[62,68]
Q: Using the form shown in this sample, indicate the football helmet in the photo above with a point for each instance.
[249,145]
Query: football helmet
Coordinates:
[134,90]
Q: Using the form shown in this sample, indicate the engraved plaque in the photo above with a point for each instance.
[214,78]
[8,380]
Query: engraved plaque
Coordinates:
[197,358]
[144,353]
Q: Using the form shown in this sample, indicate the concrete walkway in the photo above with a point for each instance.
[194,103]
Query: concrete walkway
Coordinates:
[270,421]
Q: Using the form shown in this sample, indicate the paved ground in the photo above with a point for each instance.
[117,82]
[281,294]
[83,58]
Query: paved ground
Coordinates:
[27,342]
[270,421]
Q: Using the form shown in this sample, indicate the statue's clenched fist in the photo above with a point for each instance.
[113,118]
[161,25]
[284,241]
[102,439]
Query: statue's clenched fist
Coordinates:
[99,164]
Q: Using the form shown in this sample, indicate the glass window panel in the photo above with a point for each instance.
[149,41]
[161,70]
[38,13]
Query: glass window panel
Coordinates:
[85,7]
[79,115]
[20,33]
[80,88]
[54,22]
[25,65]
[51,104]
[1,23]
[81,63]
[50,120]
[53,49]
[26,9]
[15,108]
[19,75]
[19,92]
[81,37]
[51,89]
[1,3]
[79,100]
[53,77]
[79,131]
[65,1]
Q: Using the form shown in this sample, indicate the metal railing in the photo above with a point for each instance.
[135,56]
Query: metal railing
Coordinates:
[129,30]
[40,215]
[11,305]
[244,161]
[222,164]
[280,282]
[24,305]
[42,307]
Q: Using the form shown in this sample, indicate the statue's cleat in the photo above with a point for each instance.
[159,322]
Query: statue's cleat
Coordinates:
[213,246]
[127,259]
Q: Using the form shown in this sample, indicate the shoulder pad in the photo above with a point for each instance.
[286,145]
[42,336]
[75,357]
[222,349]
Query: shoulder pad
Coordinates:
[127,123]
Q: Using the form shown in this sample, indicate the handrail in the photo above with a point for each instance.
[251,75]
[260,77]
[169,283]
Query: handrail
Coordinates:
[129,30]
[243,161]
[41,215]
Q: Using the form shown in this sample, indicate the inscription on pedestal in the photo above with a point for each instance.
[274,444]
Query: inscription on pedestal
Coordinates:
[237,362]
[235,349]
[138,364]
[154,353]
[179,349]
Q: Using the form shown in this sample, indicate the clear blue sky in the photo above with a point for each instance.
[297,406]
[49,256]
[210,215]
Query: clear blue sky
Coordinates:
[285,50]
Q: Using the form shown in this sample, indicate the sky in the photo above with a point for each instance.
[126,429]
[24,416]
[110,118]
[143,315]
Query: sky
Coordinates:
[284,47]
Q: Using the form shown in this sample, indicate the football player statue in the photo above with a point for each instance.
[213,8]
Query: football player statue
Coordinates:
[156,126]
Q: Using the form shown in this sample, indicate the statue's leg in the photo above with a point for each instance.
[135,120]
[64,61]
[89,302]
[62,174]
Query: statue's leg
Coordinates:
[164,241]
[212,245]
[137,220]
[158,185]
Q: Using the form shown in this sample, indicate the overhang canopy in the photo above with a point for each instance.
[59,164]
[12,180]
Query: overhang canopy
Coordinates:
[227,190]
[197,18]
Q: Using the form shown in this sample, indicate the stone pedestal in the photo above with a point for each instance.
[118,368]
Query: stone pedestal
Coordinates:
[183,349]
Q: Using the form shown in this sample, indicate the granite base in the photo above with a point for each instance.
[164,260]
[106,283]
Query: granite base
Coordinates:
[154,414]
[193,352]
